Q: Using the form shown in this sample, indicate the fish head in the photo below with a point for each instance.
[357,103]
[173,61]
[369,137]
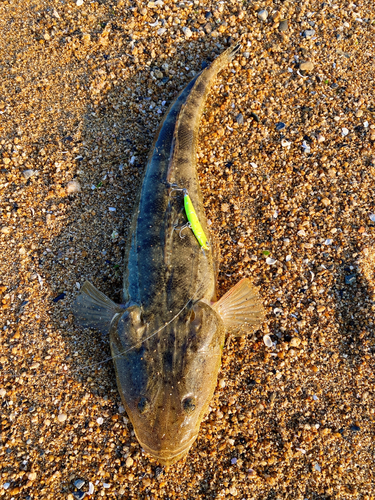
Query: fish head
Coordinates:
[166,374]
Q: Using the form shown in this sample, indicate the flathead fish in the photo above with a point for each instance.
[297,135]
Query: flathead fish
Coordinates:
[167,337]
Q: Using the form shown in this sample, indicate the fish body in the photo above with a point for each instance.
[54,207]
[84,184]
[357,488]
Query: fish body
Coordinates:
[167,337]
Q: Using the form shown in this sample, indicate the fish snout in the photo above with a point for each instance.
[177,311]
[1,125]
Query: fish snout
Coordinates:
[167,450]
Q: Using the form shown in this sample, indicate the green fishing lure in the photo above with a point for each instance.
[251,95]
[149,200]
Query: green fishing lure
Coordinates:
[194,222]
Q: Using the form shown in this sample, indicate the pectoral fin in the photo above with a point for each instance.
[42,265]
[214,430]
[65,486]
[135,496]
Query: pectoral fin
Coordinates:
[93,309]
[240,308]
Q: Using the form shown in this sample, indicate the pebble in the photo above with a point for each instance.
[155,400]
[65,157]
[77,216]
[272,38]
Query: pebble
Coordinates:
[359,113]
[308,33]
[350,279]
[2,392]
[233,491]
[73,187]
[317,468]
[262,15]
[355,428]
[344,132]
[306,66]
[239,119]
[129,462]
[31,476]
[280,126]
[112,209]
[91,489]
[79,495]
[99,420]
[372,217]
[79,3]
[6,486]
[295,342]
[29,173]
[267,341]
[62,417]
[78,483]
[187,32]
[283,25]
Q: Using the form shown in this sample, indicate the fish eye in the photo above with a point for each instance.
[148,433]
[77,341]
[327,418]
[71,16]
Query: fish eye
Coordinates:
[143,405]
[188,405]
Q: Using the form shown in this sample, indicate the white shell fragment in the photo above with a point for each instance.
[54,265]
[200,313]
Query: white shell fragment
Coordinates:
[344,132]
[288,258]
[372,217]
[270,261]
[285,143]
[254,165]
[267,341]
[328,241]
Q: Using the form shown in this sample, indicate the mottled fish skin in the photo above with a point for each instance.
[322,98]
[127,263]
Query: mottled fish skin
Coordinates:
[166,340]
[167,383]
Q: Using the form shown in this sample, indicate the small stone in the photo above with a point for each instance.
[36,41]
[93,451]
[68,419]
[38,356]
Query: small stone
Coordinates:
[62,417]
[158,74]
[280,126]
[112,209]
[6,486]
[267,341]
[78,483]
[344,132]
[262,15]
[106,485]
[79,495]
[73,187]
[283,25]
[208,15]
[187,32]
[129,462]
[355,428]
[239,119]
[317,468]
[29,173]
[233,491]
[233,461]
[79,3]
[350,279]
[6,160]
[306,66]
[222,383]
[6,230]
[100,420]
[326,202]
[359,113]
[91,489]
[2,392]
[295,342]
[31,476]
[308,33]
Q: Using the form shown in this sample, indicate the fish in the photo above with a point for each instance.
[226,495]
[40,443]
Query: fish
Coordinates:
[168,334]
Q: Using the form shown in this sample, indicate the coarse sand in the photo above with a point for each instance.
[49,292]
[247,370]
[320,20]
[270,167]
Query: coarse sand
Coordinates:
[286,164]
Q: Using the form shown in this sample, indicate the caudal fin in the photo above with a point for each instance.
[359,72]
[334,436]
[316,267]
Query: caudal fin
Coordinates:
[240,308]
[93,309]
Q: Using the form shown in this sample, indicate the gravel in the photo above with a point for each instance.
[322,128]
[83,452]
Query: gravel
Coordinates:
[80,101]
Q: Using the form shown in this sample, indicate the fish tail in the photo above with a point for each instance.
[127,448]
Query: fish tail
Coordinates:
[186,130]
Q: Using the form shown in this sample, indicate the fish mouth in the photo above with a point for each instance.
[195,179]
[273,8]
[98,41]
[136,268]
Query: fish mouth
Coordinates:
[168,456]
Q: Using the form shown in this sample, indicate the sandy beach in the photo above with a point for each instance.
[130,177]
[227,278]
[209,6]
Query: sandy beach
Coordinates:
[287,169]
